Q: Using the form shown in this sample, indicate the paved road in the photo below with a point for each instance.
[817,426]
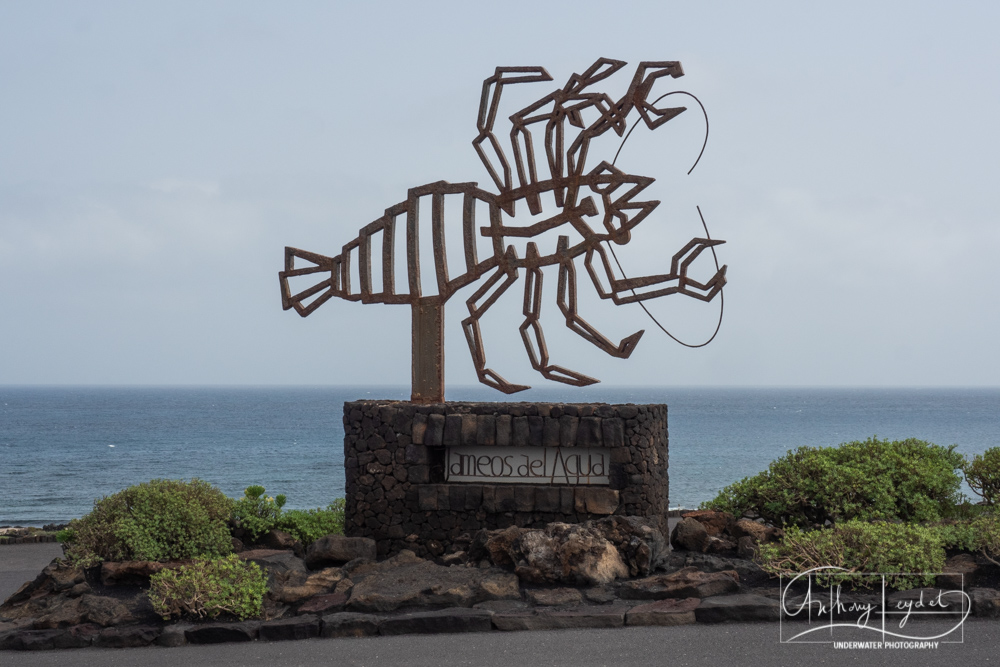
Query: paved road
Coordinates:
[742,645]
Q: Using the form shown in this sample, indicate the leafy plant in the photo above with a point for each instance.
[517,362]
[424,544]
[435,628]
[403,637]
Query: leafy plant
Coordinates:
[309,525]
[982,474]
[909,480]
[158,520]
[207,588]
[961,535]
[985,531]
[893,549]
[257,513]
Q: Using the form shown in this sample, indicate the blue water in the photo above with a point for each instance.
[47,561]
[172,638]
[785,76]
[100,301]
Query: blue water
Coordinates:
[56,453]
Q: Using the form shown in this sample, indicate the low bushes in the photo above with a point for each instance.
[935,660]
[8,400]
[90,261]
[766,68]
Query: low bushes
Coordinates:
[876,506]
[859,546]
[880,547]
[157,520]
[256,514]
[207,588]
[165,519]
[908,480]
[309,525]
[174,520]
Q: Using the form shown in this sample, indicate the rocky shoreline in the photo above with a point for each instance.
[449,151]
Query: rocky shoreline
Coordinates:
[29,534]
[611,572]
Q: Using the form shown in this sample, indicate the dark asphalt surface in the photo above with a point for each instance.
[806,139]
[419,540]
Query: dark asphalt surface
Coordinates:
[738,645]
[742,645]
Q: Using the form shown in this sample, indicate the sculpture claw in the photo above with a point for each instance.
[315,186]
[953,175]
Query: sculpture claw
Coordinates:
[492,379]
[628,344]
[566,376]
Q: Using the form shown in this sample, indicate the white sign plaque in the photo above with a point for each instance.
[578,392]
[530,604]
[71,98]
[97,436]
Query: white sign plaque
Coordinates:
[527,465]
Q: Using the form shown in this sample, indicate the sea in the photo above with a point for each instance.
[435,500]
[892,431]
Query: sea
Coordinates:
[62,448]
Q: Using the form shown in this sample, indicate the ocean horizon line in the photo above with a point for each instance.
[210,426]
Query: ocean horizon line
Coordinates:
[544,388]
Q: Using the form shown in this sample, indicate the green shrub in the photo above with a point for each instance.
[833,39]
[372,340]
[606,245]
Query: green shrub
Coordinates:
[985,531]
[207,588]
[910,480]
[960,535]
[889,548]
[158,520]
[257,513]
[982,474]
[309,525]
[858,546]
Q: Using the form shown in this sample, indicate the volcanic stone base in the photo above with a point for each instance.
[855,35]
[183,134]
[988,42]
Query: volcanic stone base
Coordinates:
[394,463]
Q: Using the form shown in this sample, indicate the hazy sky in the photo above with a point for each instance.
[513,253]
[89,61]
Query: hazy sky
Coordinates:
[155,159]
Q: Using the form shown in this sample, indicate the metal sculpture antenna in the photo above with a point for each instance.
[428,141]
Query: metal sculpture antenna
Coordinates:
[598,206]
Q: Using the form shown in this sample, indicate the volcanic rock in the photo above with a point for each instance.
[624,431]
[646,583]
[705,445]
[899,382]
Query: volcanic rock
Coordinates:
[337,550]
[298,588]
[406,580]
[553,597]
[717,524]
[686,583]
[671,611]
[689,534]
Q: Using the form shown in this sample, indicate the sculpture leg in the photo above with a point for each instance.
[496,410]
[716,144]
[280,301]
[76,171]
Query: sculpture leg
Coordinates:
[532,310]
[566,299]
[485,297]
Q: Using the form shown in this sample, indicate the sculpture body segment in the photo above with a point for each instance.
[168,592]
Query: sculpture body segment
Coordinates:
[595,207]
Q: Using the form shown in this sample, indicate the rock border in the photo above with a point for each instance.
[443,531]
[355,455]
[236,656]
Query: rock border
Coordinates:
[65,607]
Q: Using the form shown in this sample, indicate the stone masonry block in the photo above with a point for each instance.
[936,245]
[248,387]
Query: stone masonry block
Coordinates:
[456,497]
[444,496]
[473,496]
[621,455]
[503,430]
[489,499]
[579,499]
[547,499]
[566,504]
[486,430]
[427,498]
[504,495]
[588,433]
[627,411]
[452,430]
[416,455]
[613,432]
[469,429]
[524,498]
[520,432]
[568,426]
[550,432]
[434,435]
[605,411]
[419,474]
[535,426]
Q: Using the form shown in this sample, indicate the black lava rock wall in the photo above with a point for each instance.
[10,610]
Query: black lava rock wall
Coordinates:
[394,456]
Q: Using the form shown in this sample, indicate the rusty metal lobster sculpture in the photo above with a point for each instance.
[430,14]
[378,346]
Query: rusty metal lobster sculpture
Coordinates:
[599,205]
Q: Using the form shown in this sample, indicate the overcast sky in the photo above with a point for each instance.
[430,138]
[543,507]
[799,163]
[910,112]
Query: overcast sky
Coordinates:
[155,159]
